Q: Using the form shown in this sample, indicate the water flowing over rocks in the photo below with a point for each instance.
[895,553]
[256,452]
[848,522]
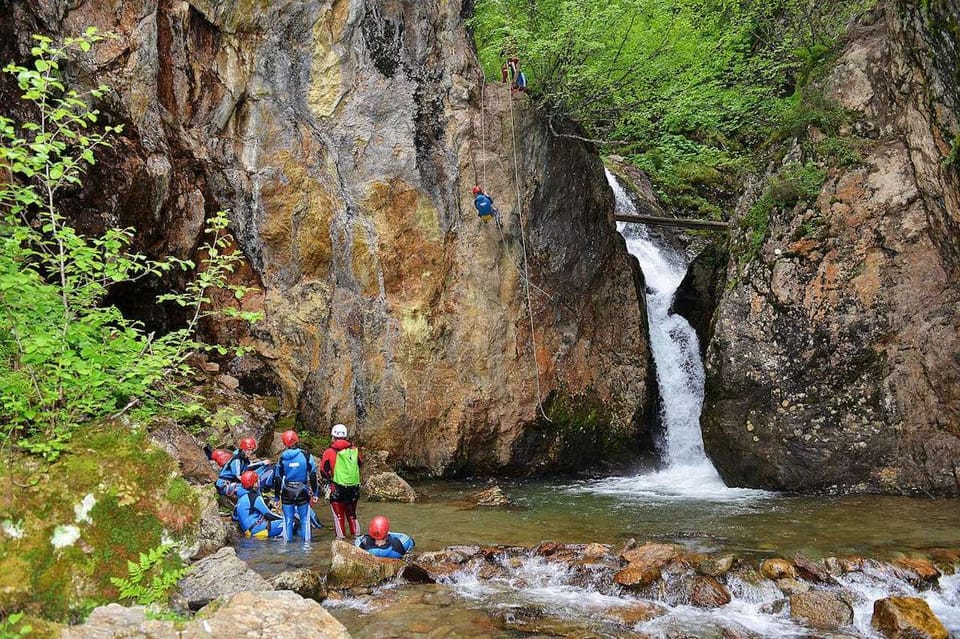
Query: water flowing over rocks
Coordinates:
[833,362]
[344,137]
[245,614]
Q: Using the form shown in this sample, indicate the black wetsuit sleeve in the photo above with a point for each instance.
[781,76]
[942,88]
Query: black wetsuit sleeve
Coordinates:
[263,509]
[397,545]
[277,480]
[312,469]
[367,542]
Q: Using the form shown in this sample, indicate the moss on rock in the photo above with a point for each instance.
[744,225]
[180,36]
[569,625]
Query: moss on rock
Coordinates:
[72,525]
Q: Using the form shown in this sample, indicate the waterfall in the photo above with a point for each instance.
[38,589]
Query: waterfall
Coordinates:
[687,472]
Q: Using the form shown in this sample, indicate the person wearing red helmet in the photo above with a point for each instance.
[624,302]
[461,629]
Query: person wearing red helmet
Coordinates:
[295,485]
[340,469]
[381,542]
[484,204]
[252,513]
[229,480]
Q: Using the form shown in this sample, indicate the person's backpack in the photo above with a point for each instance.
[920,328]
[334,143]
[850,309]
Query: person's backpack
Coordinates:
[346,472]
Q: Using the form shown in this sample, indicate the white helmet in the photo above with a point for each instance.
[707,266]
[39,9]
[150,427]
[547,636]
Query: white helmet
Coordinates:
[339,431]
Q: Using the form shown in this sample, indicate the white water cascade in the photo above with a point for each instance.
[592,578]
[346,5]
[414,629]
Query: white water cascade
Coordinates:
[687,472]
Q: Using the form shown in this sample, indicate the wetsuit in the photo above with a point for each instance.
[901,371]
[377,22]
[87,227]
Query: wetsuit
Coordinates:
[344,484]
[394,548]
[294,483]
[229,479]
[255,518]
[484,204]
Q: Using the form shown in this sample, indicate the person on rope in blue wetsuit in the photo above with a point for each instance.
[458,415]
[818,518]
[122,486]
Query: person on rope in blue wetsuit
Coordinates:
[295,484]
[381,542]
[229,480]
[252,513]
[484,204]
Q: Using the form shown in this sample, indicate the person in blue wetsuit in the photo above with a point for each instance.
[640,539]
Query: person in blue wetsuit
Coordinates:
[252,513]
[381,542]
[295,484]
[484,204]
[229,479]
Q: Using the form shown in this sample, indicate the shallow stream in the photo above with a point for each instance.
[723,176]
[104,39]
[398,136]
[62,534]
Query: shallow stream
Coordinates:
[612,511]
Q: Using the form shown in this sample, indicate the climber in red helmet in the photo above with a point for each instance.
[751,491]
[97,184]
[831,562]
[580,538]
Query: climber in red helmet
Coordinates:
[484,204]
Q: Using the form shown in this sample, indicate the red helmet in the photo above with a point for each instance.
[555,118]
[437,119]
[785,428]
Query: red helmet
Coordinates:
[248,444]
[249,479]
[379,527]
[220,456]
[289,438]
[477,190]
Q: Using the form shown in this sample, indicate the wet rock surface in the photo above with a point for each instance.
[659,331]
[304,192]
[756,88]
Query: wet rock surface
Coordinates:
[344,138]
[388,486]
[906,618]
[352,567]
[310,583]
[222,573]
[212,534]
[821,609]
[833,360]
[491,498]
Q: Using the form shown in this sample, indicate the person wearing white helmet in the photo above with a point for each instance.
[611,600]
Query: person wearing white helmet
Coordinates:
[340,468]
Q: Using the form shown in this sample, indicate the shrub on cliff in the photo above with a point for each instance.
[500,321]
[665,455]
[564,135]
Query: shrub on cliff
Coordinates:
[66,357]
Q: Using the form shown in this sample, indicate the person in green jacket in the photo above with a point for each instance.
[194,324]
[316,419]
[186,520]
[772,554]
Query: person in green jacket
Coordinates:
[340,468]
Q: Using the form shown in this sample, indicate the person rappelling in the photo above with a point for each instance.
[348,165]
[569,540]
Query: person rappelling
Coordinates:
[484,204]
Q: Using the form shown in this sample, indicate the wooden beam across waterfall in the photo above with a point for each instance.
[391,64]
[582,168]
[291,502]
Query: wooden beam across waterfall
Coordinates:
[683,222]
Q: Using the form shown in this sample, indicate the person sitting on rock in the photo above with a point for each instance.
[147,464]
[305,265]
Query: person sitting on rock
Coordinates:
[295,484]
[340,468]
[252,513]
[484,204]
[229,480]
[381,542]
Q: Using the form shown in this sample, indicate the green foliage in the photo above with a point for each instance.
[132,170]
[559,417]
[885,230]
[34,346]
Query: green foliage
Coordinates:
[685,89]
[951,159]
[794,184]
[12,628]
[65,356]
[150,579]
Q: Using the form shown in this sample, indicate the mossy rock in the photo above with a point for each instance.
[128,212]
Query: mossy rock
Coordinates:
[108,498]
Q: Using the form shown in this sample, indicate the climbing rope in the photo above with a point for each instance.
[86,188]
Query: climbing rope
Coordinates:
[523,245]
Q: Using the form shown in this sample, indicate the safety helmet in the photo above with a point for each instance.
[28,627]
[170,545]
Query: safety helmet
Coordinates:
[249,479]
[339,431]
[248,444]
[379,527]
[289,438]
[477,190]
[220,456]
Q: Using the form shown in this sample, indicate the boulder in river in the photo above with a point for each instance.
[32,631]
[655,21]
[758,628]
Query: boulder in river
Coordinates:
[652,554]
[491,498]
[219,574]
[352,567]
[637,575]
[388,486]
[306,582]
[821,609]
[707,592]
[714,565]
[921,573]
[777,568]
[906,618]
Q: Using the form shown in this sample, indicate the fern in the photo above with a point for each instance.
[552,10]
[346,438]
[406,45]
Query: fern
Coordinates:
[149,581]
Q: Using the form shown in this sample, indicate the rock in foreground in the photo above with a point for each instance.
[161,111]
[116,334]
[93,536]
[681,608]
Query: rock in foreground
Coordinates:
[351,567]
[906,618]
[217,575]
[245,614]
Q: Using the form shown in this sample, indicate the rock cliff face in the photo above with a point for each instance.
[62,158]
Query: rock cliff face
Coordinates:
[835,357]
[345,136]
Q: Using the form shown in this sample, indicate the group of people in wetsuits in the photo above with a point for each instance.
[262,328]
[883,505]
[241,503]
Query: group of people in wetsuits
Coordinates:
[297,482]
